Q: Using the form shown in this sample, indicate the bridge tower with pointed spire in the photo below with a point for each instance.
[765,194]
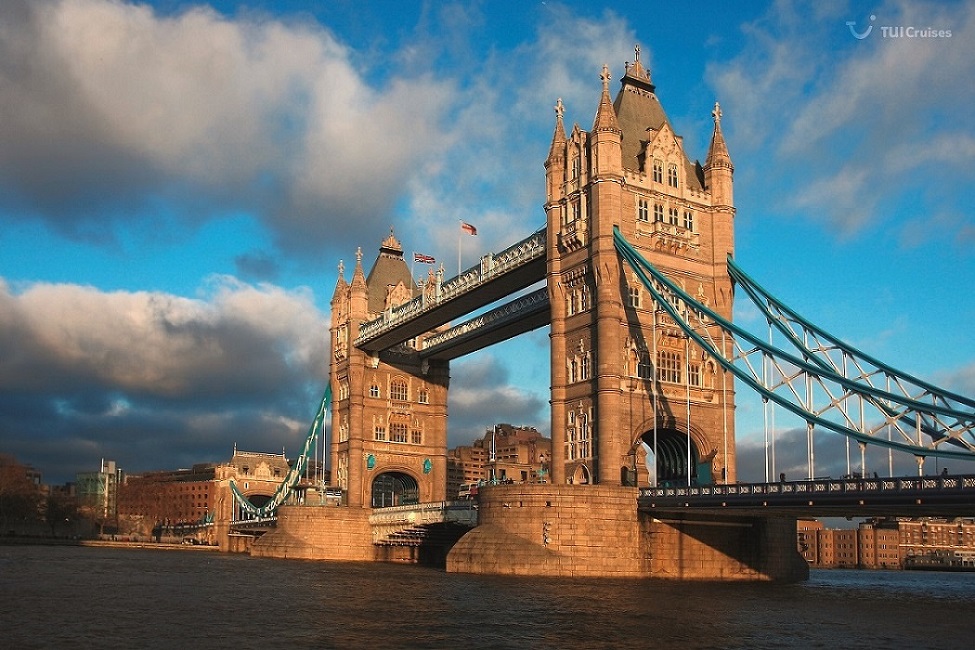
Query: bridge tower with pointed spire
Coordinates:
[626,383]
[389,415]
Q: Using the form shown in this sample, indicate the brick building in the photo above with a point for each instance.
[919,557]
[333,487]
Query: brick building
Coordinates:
[889,543]
[505,453]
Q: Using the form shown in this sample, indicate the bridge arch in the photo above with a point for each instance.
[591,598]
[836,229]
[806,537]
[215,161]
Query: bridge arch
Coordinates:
[393,488]
[670,458]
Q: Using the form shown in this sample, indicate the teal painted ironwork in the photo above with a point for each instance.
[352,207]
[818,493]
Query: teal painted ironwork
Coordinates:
[284,490]
[944,420]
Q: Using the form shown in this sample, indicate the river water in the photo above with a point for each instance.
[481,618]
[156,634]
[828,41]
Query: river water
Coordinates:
[55,597]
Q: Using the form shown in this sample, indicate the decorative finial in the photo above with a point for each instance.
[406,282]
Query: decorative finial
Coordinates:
[716,113]
[605,77]
[341,268]
[358,255]
[559,108]
[636,50]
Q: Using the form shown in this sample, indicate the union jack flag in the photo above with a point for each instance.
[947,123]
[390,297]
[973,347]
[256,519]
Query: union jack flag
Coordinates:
[468,228]
[423,259]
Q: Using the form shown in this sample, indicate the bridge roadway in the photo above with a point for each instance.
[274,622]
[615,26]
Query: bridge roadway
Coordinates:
[924,496]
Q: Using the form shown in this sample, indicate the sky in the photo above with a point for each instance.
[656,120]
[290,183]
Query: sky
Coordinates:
[179,181]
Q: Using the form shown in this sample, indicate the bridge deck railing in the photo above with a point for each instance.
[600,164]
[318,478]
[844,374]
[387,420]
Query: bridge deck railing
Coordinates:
[819,487]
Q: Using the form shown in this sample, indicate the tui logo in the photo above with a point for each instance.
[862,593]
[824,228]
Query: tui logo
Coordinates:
[858,35]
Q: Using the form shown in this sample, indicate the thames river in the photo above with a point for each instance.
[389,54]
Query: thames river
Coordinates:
[55,597]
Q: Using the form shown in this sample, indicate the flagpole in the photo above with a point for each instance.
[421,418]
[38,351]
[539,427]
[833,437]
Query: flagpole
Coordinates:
[460,239]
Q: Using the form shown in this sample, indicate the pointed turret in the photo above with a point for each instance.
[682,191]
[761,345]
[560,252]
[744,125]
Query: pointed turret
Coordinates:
[606,114]
[557,150]
[358,291]
[341,286]
[718,170]
[607,137]
[555,163]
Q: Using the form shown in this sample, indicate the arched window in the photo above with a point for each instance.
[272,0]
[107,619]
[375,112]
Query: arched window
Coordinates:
[672,175]
[658,171]
[643,368]
[398,391]
[668,366]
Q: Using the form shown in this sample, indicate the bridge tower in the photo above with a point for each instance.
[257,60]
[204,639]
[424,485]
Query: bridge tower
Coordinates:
[389,415]
[625,381]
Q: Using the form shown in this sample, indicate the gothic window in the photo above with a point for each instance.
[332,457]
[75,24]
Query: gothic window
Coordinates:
[398,391]
[398,431]
[694,374]
[576,167]
[642,210]
[583,451]
[379,433]
[416,437]
[343,390]
[374,391]
[424,396]
[643,368]
[584,297]
[344,429]
[573,371]
[672,175]
[570,303]
[668,366]
[658,171]
[584,368]
[576,210]
[688,219]
[674,217]
[634,296]
[658,212]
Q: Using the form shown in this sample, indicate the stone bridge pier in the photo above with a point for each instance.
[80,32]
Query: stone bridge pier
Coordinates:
[597,531]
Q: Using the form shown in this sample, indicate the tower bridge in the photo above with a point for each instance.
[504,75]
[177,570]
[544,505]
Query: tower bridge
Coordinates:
[636,257]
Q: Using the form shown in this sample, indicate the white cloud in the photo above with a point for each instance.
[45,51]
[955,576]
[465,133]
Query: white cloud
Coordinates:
[863,129]
[240,340]
[109,106]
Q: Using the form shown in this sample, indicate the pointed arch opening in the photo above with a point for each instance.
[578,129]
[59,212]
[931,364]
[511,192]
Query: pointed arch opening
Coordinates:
[394,489]
[669,459]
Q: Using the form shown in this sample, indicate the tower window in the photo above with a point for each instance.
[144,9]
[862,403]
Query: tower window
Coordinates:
[398,432]
[398,391]
[668,366]
[672,175]
[642,210]
[374,391]
[643,365]
[424,396]
[634,295]
[584,369]
[688,219]
[576,167]
[674,217]
[658,171]
[658,212]
[379,433]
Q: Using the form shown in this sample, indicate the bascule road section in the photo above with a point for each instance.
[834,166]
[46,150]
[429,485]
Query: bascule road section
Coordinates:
[637,283]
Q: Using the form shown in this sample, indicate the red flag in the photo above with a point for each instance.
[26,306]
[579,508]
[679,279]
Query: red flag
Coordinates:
[423,259]
[468,228]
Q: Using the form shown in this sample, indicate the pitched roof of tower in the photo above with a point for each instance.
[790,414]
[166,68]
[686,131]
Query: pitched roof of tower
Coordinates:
[638,109]
[389,269]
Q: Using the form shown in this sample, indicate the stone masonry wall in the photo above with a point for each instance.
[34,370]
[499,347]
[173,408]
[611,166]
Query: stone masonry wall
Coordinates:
[319,533]
[564,530]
